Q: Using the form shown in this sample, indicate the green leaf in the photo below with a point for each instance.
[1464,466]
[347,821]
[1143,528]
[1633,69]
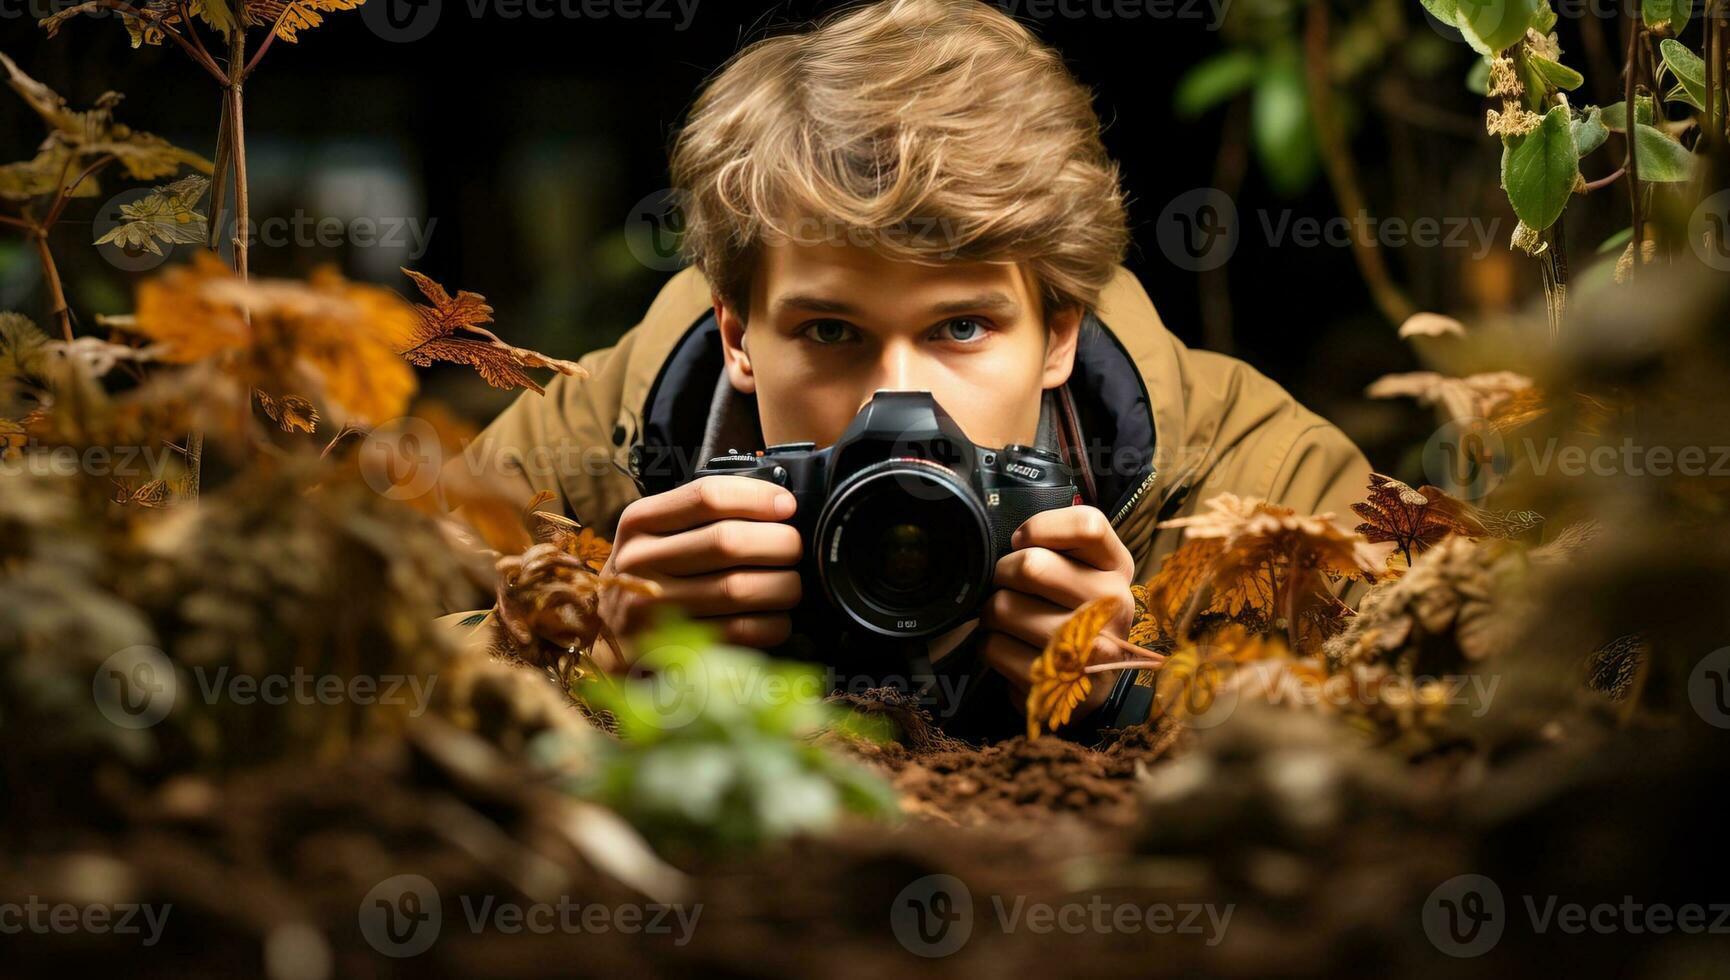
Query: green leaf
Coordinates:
[1539,169]
[1545,19]
[1689,69]
[1215,80]
[1616,114]
[1669,16]
[1615,242]
[1681,94]
[1499,24]
[1662,159]
[1280,125]
[1556,74]
[1589,130]
[1478,79]
[1443,10]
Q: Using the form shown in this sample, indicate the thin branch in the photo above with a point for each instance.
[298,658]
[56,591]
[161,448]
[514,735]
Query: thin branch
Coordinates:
[237,147]
[66,192]
[269,39]
[17,223]
[51,278]
[1124,665]
[197,54]
[1628,94]
[1606,181]
[1342,172]
[197,39]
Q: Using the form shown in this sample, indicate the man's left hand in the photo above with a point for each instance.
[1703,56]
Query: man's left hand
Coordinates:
[1062,559]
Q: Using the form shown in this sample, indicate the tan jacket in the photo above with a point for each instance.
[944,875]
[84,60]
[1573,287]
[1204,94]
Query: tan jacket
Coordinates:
[1218,424]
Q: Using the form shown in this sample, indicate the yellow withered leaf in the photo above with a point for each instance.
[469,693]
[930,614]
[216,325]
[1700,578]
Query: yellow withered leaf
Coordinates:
[329,335]
[94,133]
[1060,680]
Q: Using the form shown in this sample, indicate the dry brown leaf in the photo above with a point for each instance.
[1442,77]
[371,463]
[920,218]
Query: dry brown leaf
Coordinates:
[292,412]
[1477,396]
[440,336]
[1413,519]
[1059,677]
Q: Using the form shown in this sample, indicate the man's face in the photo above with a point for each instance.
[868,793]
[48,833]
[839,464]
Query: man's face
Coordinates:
[831,324]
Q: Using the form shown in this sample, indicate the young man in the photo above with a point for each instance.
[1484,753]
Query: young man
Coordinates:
[911,194]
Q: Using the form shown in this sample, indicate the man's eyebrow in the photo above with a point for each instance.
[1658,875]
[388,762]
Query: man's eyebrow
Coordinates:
[815,304]
[992,302]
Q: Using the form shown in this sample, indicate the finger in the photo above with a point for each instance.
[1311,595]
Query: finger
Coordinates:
[1082,533]
[1010,657]
[711,548]
[712,498]
[1058,578]
[759,630]
[1027,618]
[1034,621]
[728,593]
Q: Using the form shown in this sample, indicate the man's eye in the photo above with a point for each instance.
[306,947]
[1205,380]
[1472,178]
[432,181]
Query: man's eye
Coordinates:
[963,329]
[829,331]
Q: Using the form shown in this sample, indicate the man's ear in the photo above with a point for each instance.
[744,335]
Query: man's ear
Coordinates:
[733,347]
[1062,332]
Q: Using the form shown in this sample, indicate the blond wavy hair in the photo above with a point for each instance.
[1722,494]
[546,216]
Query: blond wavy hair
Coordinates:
[928,130]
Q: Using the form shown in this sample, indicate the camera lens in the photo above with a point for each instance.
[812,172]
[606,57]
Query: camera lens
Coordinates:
[904,548]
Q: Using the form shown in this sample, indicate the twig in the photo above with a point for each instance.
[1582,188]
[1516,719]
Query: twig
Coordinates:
[197,54]
[237,147]
[1603,182]
[269,39]
[1342,173]
[51,276]
[1124,665]
[67,191]
[1628,94]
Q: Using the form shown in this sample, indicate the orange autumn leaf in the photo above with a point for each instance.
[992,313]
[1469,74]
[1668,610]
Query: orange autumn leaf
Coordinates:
[571,537]
[1059,677]
[326,335]
[452,330]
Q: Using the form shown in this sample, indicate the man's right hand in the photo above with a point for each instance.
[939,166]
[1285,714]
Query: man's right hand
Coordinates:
[717,550]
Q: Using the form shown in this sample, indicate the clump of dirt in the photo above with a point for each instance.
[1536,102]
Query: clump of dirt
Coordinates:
[1021,780]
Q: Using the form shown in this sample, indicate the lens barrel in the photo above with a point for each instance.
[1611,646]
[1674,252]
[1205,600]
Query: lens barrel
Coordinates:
[903,548]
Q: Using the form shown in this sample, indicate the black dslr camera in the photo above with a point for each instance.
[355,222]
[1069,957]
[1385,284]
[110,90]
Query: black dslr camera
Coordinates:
[903,518]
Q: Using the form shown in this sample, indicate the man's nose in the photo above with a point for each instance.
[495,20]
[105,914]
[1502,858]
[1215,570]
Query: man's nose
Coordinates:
[898,368]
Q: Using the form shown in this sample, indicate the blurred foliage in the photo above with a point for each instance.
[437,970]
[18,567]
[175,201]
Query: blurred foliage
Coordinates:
[715,746]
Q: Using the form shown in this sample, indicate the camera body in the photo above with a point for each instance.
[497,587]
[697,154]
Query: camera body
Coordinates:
[903,518]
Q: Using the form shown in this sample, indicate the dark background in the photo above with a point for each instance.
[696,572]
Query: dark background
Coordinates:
[529,141]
